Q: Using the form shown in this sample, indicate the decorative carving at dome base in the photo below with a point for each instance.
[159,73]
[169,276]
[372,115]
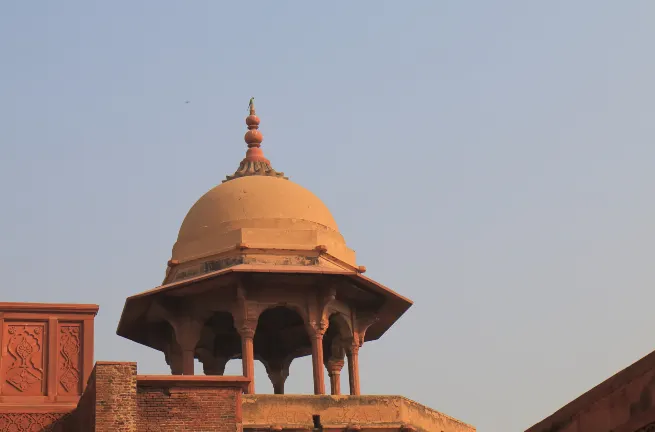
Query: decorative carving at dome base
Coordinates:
[254,167]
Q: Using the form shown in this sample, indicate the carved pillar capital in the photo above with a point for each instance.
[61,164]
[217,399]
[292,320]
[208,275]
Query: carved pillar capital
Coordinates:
[278,372]
[353,345]
[187,334]
[187,331]
[211,364]
[173,357]
[317,329]
[247,330]
[334,366]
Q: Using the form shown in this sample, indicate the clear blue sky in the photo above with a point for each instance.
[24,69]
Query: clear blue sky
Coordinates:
[492,161]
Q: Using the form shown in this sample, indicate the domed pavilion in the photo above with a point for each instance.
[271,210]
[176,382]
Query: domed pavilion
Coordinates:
[260,271]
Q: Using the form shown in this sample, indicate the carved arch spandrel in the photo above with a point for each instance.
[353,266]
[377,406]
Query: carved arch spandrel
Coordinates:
[244,312]
[318,309]
[186,318]
[251,303]
[362,320]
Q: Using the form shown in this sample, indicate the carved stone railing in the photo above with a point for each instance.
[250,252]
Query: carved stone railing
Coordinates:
[299,412]
[46,355]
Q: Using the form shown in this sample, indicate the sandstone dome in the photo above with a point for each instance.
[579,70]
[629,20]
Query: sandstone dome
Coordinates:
[257,216]
[267,200]
[261,211]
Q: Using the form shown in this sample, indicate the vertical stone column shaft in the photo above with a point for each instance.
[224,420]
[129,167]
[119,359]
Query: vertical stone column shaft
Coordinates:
[187,362]
[248,358]
[334,367]
[317,363]
[353,370]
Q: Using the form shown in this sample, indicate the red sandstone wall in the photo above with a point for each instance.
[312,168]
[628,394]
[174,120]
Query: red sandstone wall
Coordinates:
[31,421]
[46,353]
[623,403]
[188,409]
[46,356]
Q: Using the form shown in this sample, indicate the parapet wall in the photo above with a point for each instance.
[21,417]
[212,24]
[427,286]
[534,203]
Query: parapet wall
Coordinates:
[189,403]
[46,358]
[623,403]
[388,413]
[119,400]
[47,352]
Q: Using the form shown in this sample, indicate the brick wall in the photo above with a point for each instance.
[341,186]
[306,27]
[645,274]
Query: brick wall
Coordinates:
[109,401]
[189,403]
[117,400]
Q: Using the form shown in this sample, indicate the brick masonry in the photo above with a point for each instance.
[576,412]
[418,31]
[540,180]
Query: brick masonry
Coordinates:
[109,402]
[188,409]
[117,400]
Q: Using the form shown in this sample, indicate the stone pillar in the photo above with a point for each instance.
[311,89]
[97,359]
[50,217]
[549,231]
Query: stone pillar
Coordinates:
[248,356]
[317,362]
[334,367]
[278,372]
[173,356]
[187,335]
[353,368]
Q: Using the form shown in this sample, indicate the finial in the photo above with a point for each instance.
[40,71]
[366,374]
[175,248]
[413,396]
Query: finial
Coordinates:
[254,163]
[253,137]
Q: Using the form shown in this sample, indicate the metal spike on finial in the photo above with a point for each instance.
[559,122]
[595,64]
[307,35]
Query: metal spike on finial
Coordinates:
[254,163]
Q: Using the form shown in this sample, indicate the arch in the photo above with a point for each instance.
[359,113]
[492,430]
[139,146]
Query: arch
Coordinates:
[219,342]
[287,305]
[339,320]
[337,334]
[280,337]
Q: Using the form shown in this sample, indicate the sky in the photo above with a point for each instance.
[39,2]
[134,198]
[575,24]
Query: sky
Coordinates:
[492,161]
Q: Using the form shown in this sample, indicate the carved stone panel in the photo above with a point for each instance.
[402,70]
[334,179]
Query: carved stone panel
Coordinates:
[23,359]
[69,373]
[41,422]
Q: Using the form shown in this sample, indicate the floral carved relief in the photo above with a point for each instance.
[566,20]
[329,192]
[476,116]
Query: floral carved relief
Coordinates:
[69,357]
[28,422]
[23,358]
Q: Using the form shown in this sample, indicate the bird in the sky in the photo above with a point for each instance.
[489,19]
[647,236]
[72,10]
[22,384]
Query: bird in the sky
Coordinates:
[187,101]
[251,103]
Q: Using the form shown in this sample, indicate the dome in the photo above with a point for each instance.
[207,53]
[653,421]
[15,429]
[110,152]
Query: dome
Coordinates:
[261,210]
[250,201]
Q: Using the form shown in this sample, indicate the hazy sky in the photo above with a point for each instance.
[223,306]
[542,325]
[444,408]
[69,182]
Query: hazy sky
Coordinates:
[492,161]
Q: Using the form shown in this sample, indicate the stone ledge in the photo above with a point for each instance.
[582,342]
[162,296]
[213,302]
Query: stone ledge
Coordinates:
[57,308]
[192,381]
[370,412]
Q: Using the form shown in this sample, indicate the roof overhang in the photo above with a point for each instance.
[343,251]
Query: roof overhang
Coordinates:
[134,316]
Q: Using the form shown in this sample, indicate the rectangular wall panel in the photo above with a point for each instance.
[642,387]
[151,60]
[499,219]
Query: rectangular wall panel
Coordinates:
[23,359]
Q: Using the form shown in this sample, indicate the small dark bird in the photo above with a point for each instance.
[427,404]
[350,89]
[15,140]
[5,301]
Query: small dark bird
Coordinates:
[187,101]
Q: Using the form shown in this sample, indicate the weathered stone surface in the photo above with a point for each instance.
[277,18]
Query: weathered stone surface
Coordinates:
[297,411]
